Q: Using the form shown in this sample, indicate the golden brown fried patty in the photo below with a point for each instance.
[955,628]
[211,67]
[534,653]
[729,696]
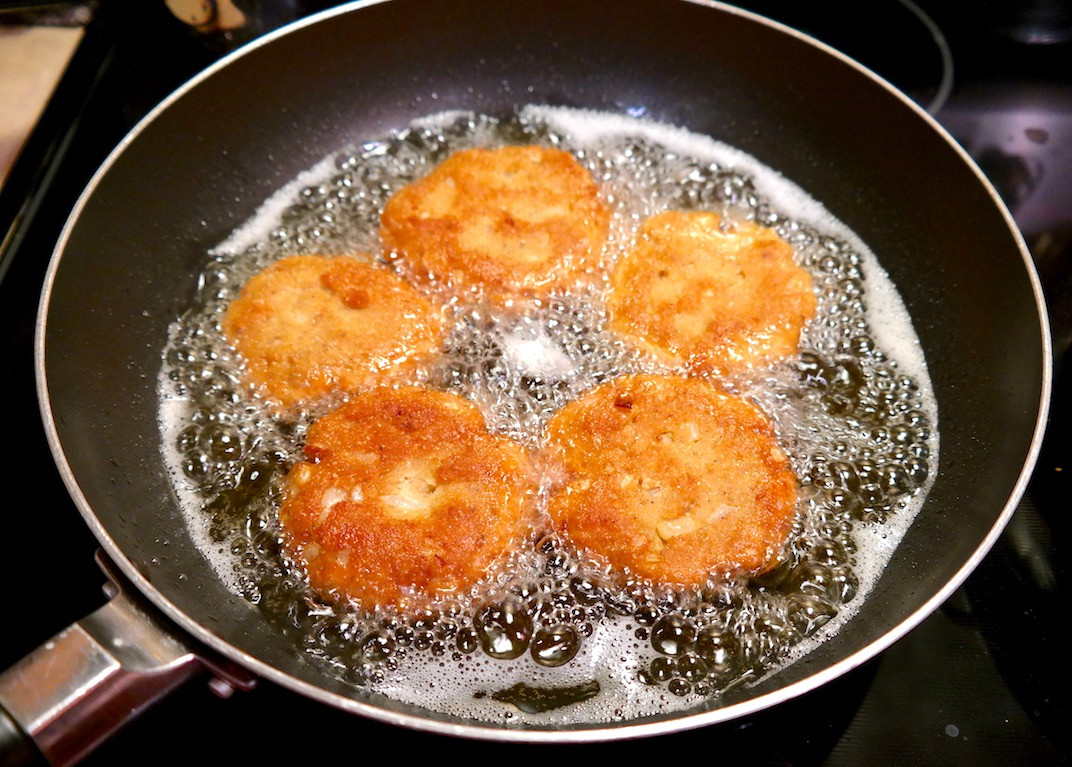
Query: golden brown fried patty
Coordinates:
[714,301]
[510,222]
[310,325]
[403,489]
[672,479]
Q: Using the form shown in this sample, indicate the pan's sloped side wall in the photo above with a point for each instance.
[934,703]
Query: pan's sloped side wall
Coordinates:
[205,163]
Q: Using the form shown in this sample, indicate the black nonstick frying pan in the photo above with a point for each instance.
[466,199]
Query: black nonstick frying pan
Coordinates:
[202,163]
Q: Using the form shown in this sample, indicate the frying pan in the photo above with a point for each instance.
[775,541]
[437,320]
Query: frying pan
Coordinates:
[204,161]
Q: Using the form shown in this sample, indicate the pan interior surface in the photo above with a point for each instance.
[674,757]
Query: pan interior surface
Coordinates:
[203,164]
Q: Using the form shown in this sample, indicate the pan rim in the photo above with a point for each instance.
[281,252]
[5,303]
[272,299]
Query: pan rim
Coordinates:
[486,730]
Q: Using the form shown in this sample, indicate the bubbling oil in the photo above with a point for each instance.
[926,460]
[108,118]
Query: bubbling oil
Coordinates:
[553,635]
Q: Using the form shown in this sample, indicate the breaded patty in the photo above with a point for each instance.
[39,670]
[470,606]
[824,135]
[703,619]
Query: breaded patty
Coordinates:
[510,222]
[404,491]
[672,479]
[713,301]
[308,326]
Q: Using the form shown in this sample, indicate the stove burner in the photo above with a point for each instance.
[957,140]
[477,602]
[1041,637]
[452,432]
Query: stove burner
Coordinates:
[896,39]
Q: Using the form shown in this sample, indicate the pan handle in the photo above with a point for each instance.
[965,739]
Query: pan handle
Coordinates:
[63,699]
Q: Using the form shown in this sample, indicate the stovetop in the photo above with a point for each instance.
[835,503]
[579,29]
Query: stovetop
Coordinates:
[976,683]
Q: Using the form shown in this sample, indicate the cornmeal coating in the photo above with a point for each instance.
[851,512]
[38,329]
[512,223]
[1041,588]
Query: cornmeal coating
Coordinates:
[672,479]
[519,221]
[312,325]
[404,493]
[712,296]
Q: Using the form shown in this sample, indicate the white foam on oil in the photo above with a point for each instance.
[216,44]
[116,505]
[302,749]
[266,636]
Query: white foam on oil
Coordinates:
[532,352]
[173,414]
[269,215]
[612,655]
[589,128]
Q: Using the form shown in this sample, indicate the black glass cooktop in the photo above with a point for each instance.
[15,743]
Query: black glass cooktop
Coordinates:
[977,683]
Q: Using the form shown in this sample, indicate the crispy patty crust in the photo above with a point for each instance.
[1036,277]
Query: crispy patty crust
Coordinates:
[672,479]
[508,223]
[404,492]
[308,326]
[709,295]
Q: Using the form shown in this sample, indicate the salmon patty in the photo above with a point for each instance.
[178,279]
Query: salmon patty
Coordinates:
[709,295]
[308,326]
[404,493]
[672,479]
[514,222]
